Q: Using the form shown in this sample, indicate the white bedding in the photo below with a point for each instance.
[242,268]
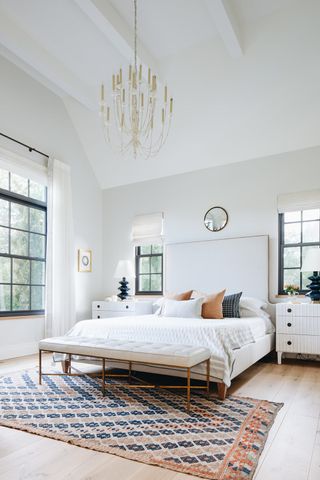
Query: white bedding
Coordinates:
[222,337]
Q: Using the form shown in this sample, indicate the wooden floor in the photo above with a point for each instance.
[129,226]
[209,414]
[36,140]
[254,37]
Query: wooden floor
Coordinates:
[292,451]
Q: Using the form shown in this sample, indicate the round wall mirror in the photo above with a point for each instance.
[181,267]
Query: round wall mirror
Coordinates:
[216,219]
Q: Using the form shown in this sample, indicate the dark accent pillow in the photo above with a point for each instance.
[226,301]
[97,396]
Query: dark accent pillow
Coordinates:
[231,305]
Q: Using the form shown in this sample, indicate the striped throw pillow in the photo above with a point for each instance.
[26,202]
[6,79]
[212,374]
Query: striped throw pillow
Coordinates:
[231,305]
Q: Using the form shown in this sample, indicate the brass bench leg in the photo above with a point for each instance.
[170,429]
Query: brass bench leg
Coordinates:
[208,376]
[188,389]
[40,366]
[103,376]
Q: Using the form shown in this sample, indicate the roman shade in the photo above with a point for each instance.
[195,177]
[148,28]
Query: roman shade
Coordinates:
[293,202]
[34,169]
[147,229]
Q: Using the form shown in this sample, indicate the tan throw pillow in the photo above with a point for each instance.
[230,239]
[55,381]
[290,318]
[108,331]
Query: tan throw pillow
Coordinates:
[180,296]
[212,305]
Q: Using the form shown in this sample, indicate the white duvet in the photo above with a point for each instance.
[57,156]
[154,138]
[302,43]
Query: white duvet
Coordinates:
[222,337]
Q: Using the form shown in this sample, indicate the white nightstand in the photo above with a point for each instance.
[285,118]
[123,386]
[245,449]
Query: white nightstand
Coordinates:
[297,328]
[121,309]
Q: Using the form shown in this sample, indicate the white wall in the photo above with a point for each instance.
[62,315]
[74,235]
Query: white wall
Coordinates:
[247,190]
[34,115]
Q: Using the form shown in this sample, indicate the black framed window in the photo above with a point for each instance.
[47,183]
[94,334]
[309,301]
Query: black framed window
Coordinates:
[23,230]
[149,270]
[298,232]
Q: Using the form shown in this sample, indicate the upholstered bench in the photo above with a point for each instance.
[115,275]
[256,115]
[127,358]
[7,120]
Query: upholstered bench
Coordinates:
[130,352]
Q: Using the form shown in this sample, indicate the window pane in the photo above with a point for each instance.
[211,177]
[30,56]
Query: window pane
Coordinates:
[291,277]
[155,283]
[4,240]
[311,214]
[292,216]
[155,264]
[4,212]
[37,245]
[305,279]
[19,216]
[305,251]
[19,184]
[20,297]
[156,248]
[5,299]
[37,273]
[145,250]
[37,298]
[5,270]
[20,271]
[37,220]
[19,243]
[310,232]
[4,179]
[292,233]
[144,283]
[291,257]
[144,266]
[37,191]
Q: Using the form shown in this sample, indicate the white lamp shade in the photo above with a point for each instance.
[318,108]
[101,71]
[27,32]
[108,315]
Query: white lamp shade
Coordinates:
[124,269]
[311,262]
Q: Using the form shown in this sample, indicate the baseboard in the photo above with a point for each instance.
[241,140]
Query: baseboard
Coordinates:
[18,350]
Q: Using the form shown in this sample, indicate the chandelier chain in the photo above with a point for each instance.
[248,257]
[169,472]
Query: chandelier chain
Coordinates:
[135,35]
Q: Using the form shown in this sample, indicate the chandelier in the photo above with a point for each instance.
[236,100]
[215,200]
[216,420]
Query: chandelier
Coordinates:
[133,120]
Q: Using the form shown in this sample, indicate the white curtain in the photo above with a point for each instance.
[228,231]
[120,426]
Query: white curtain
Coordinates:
[60,304]
[147,229]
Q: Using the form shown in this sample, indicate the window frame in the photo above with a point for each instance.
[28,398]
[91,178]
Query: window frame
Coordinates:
[13,197]
[283,245]
[138,255]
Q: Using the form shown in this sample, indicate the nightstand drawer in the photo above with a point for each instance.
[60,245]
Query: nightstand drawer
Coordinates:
[298,309]
[114,306]
[298,325]
[298,343]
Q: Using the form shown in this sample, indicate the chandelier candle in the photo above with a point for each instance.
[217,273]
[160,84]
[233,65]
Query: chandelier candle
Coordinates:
[133,121]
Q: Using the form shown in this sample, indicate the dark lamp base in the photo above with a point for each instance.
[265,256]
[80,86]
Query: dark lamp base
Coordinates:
[124,289]
[314,288]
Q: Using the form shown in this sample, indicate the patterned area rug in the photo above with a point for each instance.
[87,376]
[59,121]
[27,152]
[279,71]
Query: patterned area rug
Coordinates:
[218,440]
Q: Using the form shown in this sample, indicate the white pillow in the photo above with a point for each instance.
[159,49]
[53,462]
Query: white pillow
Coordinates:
[253,307]
[183,308]
[252,303]
[157,306]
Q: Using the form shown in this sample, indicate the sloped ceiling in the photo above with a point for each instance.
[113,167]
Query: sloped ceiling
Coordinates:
[244,74]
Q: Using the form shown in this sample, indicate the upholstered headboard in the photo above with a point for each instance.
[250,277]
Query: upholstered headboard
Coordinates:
[237,264]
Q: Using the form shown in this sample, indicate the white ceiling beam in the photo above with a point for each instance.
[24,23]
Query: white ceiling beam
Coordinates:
[25,52]
[117,31]
[227,26]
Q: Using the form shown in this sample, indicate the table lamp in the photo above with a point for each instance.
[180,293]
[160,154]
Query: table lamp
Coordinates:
[123,271]
[311,263]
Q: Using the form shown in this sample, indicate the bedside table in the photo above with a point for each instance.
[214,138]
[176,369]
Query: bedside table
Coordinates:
[297,328]
[121,309]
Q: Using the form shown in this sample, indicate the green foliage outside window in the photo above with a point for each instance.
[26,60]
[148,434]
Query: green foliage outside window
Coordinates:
[22,244]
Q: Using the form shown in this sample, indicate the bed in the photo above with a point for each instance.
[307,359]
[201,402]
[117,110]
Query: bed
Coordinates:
[229,340]
[235,343]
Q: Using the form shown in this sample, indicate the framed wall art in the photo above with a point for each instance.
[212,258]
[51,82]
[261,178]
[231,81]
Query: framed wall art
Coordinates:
[84,260]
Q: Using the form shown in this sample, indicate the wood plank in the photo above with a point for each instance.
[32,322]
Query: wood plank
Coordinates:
[290,453]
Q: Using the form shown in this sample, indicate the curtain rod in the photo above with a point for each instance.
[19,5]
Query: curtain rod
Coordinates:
[31,149]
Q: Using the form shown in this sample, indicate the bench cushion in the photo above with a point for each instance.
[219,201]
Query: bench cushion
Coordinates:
[145,352]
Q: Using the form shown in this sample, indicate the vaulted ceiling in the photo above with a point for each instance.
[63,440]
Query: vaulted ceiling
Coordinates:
[244,74]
